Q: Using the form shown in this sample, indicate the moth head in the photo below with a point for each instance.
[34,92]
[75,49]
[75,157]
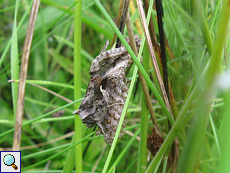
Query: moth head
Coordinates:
[94,67]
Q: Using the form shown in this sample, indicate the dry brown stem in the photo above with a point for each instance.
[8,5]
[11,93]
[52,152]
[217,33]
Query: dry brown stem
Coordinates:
[23,75]
[152,54]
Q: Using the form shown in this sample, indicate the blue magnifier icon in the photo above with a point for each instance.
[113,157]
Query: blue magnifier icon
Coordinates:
[9,160]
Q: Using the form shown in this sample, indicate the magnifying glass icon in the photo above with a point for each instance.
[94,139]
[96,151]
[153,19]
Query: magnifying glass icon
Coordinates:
[9,160]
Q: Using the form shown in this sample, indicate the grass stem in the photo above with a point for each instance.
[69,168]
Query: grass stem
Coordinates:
[23,75]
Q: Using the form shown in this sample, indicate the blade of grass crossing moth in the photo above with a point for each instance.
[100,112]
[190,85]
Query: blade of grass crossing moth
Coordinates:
[123,112]
[145,75]
[15,59]
[145,92]
[152,87]
[132,82]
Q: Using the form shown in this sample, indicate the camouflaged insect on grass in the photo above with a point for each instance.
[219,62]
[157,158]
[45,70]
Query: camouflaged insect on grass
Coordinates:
[107,91]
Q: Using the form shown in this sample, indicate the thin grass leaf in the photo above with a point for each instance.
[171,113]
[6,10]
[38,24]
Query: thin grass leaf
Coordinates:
[77,151]
[42,82]
[44,152]
[10,40]
[223,161]
[14,59]
[23,75]
[67,149]
[124,151]
[42,116]
[65,63]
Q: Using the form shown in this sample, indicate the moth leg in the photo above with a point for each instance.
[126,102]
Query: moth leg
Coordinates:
[100,126]
[115,104]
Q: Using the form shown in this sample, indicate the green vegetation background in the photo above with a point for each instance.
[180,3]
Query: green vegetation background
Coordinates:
[193,38]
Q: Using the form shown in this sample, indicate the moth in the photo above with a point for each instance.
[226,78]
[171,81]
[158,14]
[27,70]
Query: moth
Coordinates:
[107,91]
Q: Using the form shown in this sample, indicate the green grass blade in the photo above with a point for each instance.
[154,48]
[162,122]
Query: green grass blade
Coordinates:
[77,83]
[124,151]
[15,59]
[215,134]
[140,67]
[44,152]
[173,132]
[144,119]
[223,162]
[203,25]
[144,109]
[42,82]
[62,61]
[74,156]
[70,158]
[83,52]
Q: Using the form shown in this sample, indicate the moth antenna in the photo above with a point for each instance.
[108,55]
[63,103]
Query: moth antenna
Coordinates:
[105,46]
[76,112]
